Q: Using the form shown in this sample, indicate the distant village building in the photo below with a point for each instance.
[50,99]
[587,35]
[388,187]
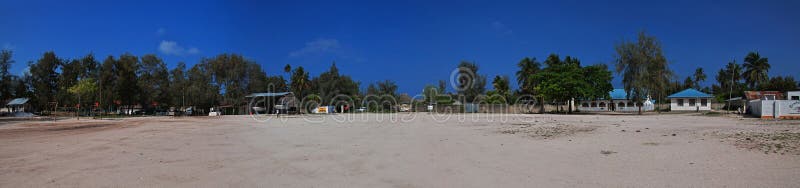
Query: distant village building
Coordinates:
[772,104]
[763,95]
[17,105]
[690,100]
[619,102]
[793,95]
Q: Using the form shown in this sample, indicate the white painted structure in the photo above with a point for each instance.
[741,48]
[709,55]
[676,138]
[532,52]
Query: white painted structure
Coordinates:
[778,109]
[690,100]
[619,102]
[793,95]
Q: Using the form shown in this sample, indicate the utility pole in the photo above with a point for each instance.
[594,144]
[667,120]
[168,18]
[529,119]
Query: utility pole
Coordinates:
[731,86]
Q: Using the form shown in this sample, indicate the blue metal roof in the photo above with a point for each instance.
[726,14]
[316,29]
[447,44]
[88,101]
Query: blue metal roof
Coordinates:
[690,93]
[17,101]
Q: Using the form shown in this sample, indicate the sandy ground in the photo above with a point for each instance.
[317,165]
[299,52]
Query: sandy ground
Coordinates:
[371,150]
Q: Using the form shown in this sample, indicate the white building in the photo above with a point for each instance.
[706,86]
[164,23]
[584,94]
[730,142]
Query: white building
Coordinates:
[690,100]
[793,95]
[775,107]
[619,102]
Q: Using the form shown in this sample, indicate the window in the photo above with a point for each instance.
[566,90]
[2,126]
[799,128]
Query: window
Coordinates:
[769,97]
[692,102]
[594,104]
[585,105]
[630,104]
[703,102]
[680,102]
[797,98]
[602,104]
[621,104]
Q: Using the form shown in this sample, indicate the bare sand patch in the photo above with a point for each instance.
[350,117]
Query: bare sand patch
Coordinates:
[547,131]
[383,150]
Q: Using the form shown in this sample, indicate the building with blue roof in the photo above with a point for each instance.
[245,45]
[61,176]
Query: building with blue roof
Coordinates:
[619,101]
[690,100]
[17,105]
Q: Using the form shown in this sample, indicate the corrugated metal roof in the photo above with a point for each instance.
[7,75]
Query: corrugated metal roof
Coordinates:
[690,93]
[18,101]
[269,94]
[754,95]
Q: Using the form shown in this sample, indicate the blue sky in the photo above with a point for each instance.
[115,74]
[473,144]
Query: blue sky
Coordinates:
[411,42]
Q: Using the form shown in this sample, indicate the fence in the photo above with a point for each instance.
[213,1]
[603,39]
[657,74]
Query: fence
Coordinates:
[523,109]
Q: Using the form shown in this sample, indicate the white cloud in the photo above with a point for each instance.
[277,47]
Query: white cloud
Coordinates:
[502,28]
[172,48]
[161,31]
[317,47]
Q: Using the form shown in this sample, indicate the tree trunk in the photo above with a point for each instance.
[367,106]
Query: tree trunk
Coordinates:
[569,106]
[541,108]
[640,109]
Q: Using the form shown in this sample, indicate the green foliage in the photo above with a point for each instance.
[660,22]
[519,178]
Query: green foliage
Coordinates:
[729,82]
[276,84]
[126,82]
[598,80]
[442,86]
[178,85]
[699,76]
[527,67]
[560,81]
[201,92]
[688,83]
[153,82]
[470,83]
[84,87]
[6,79]
[756,69]
[387,87]
[381,96]
[300,84]
[565,80]
[644,68]
[780,83]
[430,92]
[502,91]
[45,79]
[70,71]
[331,84]
[287,68]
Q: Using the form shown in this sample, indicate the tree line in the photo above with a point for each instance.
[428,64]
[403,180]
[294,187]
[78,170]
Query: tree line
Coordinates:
[127,81]
[224,80]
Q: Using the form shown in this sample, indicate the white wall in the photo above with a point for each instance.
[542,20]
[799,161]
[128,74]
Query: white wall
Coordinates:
[624,108]
[673,105]
[772,108]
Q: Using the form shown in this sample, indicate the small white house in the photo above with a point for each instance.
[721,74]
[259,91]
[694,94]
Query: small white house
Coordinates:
[690,100]
[793,95]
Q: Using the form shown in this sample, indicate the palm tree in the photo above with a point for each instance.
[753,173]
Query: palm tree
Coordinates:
[500,84]
[527,67]
[756,69]
[299,81]
[287,68]
[699,76]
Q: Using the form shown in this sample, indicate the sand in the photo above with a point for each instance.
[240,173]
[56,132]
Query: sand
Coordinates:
[371,150]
